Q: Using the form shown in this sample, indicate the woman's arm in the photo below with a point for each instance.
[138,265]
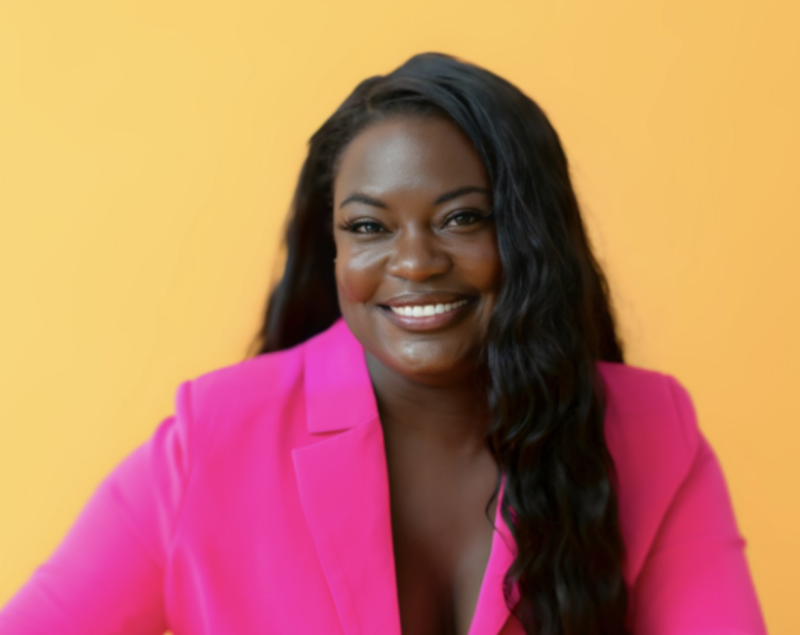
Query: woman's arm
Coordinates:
[695,580]
[107,574]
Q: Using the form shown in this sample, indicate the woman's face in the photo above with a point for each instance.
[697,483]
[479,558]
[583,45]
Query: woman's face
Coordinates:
[417,265]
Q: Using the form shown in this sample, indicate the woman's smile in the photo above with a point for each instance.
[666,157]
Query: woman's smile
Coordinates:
[426,313]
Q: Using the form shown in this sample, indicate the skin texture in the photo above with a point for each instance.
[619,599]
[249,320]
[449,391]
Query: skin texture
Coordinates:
[413,225]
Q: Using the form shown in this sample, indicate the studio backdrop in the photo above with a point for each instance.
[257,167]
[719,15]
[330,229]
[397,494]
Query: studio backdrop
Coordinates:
[148,151]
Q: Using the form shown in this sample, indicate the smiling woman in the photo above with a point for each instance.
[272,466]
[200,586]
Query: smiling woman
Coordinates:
[437,434]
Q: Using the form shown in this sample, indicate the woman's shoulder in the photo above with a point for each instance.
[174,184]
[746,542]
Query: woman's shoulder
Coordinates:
[650,405]
[275,375]
[653,437]
[259,378]
[274,385]
[642,398]
[231,402]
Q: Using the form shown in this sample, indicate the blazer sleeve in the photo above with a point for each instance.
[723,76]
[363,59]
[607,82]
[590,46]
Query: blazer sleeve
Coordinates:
[107,575]
[695,580]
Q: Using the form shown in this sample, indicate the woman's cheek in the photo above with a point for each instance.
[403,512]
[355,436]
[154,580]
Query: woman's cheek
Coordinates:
[480,263]
[357,276]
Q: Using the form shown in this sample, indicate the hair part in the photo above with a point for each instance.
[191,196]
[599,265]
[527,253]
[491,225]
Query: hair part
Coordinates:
[551,324]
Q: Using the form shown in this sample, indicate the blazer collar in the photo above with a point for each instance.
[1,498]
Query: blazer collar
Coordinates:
[338,389]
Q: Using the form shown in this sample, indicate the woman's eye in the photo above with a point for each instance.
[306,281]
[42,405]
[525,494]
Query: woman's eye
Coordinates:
[460,219]
[366,227]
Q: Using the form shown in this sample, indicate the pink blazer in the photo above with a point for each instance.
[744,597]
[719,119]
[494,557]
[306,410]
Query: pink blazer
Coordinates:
[262,506]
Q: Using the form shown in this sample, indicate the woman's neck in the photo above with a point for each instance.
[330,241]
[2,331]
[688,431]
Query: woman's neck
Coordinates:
[452,415]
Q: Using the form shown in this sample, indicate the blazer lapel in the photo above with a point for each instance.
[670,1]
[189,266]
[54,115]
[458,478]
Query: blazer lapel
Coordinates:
[491,611]
[344,487]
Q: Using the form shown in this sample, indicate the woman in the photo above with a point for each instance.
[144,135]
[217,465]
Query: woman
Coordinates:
[439,435]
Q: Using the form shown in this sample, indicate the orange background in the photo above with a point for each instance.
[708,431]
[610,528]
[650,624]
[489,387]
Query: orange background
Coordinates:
[147,155]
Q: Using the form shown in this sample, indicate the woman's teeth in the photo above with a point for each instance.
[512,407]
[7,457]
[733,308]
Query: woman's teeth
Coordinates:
[424,310]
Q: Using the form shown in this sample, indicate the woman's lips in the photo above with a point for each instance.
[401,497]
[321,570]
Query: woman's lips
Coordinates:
[426,316]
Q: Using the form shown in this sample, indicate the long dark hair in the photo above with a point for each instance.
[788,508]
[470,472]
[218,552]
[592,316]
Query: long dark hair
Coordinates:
[551,324]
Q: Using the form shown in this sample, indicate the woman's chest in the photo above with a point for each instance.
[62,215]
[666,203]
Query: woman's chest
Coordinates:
[442,540]
[439,578]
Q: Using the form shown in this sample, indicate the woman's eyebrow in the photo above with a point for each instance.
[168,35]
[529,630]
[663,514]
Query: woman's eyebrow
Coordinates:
[469,189]
[442,198]
[363,198]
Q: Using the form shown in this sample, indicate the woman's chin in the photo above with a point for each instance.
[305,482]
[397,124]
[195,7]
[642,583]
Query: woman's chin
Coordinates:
[435,365]
[437,358]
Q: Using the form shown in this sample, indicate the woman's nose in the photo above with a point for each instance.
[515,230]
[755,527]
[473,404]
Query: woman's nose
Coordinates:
[417,256]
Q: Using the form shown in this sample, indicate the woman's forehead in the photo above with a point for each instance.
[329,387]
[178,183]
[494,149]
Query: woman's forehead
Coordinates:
[409,153]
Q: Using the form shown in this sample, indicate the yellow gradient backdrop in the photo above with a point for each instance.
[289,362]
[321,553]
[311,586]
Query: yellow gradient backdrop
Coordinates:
[147,155]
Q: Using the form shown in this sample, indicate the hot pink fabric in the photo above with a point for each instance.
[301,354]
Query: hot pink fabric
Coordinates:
[262,506]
